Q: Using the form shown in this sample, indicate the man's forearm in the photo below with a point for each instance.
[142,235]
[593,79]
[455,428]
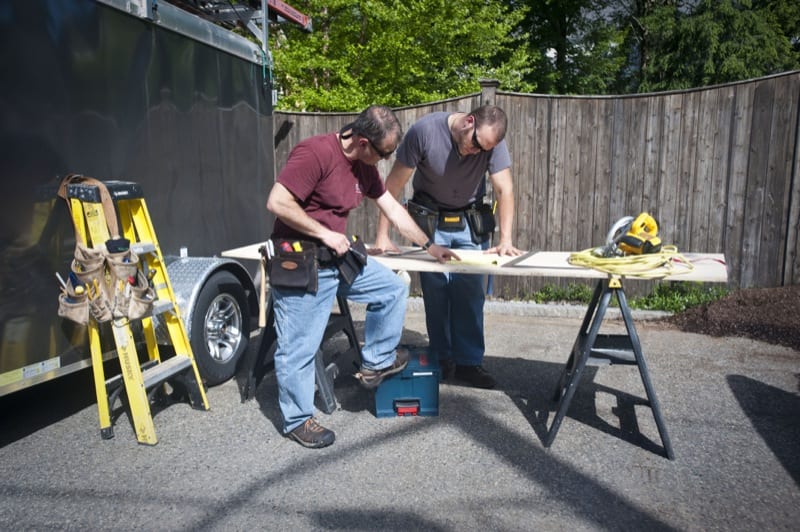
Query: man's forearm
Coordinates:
[506,218]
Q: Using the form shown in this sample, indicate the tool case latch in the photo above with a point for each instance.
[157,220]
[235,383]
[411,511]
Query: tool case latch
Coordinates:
[406,407]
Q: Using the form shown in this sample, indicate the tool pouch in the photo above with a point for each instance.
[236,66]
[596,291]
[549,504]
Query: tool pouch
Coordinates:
[72,306]
[87,261]
[100,309]
[353,262]
[481,221]
[141,297]
[123,268]
[451,221]
[294,269]
[424,215]
[88,267]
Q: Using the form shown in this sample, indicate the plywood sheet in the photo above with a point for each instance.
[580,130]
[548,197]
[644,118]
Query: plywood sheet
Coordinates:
[708,267]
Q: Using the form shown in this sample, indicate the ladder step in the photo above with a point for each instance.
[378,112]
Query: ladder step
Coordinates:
[168,368]
[116,381]
[162,306]
[140,248]
[118,190]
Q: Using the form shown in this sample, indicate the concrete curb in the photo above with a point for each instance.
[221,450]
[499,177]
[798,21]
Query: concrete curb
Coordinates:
[549,310]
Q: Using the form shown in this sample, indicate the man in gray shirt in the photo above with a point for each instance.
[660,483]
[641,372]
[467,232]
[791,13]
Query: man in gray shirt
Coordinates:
[449,155]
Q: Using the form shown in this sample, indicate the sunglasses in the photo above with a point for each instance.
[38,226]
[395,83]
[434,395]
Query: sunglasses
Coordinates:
[382,154]
[475,142]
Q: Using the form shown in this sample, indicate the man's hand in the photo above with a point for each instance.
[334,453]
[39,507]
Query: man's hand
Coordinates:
[505,249]
[442,254]
[338,242]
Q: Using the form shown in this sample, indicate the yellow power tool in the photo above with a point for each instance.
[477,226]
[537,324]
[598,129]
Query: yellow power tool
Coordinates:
[641,236]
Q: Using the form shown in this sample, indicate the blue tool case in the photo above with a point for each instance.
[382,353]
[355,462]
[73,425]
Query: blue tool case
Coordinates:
[412,392]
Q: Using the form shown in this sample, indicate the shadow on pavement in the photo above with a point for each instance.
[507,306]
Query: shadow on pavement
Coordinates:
[775,414]
[27,411]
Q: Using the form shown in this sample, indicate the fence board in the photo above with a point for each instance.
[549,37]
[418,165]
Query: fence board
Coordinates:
[603,216]
[585,176]
[703,174]
[739,155]
[667,212]
[720,170]
[782,152]
[756,182]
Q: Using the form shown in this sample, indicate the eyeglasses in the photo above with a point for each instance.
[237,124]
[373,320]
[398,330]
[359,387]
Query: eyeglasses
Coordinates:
[475,142]
[382,154]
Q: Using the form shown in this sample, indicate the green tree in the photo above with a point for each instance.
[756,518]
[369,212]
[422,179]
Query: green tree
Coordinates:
[719,41]
[631,17]
[583,50]
[629,46]
[397,53]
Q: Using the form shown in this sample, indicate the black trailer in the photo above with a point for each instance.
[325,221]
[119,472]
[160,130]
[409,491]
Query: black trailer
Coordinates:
[131,90]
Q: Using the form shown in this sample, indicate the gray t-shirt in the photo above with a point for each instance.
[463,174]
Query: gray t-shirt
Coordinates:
[451,179]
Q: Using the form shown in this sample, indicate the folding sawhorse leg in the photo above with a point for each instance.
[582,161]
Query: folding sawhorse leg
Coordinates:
[591,347]
[255,364]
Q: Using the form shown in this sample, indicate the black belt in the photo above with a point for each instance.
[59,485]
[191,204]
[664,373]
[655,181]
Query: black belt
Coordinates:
[429,203]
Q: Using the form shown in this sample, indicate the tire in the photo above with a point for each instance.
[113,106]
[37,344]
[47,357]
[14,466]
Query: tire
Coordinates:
[220,327]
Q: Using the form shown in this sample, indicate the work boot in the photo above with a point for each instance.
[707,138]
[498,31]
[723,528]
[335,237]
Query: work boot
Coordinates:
[446,369]
[476,376]
[312,434]
[371,378]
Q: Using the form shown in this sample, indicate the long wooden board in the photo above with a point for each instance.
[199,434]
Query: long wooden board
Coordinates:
[708,267]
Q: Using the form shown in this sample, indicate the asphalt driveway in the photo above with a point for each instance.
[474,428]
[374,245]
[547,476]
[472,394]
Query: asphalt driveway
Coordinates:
[731,407]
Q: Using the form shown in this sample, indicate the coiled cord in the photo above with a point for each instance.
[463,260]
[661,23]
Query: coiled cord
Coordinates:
[668,261]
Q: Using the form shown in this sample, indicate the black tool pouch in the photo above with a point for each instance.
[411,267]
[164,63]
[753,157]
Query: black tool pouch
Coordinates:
[481,221]
[451,221]
[294,269]
[425,217]
[353,261]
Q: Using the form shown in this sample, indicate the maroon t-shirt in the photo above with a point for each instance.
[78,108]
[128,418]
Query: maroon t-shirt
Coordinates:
[326,184]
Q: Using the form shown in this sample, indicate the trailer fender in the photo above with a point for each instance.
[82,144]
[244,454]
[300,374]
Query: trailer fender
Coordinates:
[217,300]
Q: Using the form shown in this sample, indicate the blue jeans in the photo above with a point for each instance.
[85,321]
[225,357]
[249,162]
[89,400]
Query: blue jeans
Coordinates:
[300,320]
[454,306]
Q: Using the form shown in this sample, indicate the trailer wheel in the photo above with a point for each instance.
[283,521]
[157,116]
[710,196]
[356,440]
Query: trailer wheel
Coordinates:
[220,325]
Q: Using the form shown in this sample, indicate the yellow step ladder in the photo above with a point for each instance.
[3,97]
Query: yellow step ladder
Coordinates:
[93,217]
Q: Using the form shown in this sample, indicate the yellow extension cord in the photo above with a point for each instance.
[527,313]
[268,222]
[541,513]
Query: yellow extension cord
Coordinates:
[648,266]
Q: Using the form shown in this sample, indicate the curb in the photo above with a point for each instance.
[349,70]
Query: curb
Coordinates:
[549,310]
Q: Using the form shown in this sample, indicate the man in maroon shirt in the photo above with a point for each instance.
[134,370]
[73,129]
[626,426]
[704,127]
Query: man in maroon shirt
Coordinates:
[325,177]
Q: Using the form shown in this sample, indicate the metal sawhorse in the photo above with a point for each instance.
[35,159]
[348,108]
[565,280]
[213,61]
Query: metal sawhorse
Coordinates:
[255,364]
[605,349]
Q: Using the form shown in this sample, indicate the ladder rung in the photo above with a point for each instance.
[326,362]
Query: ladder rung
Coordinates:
[116,381]
[124,190]
[161,306]
[161,372]
[142,247]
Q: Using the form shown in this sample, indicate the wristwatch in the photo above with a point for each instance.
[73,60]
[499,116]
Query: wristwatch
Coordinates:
[426,245]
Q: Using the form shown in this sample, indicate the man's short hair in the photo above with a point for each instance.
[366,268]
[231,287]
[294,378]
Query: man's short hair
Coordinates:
[493,117]
[377,122]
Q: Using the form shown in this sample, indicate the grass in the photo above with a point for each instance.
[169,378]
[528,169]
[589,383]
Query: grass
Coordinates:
[669,297]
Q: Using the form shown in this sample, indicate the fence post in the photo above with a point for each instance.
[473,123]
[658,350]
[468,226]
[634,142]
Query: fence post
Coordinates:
[488,90]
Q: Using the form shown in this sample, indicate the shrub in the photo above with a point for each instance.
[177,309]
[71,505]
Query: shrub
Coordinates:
[678,296]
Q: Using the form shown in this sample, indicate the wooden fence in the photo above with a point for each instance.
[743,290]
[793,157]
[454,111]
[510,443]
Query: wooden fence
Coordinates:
[716,166]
